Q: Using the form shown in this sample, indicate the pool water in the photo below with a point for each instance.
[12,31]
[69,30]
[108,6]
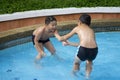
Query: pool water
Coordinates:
[17,63]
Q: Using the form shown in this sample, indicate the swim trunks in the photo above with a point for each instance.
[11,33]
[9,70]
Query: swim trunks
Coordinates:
[87,53]
[40,41]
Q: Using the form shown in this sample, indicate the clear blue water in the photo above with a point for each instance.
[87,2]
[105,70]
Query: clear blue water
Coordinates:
[17,63]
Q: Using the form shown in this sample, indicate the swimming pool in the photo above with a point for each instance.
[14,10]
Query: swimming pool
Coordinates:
[17,63]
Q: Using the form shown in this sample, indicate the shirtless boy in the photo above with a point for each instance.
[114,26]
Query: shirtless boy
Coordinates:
[88,49]
[40,37]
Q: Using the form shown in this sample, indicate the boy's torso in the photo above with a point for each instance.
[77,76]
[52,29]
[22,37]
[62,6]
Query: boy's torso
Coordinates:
[43,34]
[87,37]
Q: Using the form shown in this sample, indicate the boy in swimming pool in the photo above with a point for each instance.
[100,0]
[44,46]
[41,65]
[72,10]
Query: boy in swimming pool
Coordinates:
[40,37]
[87,47]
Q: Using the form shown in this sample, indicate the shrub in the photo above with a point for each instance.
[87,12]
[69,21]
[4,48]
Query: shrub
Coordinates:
[11,6]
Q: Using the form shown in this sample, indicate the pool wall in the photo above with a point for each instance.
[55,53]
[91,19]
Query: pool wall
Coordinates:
[29,18]
[21,24]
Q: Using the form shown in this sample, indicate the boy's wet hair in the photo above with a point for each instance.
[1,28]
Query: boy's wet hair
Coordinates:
[86,19]
[49,19]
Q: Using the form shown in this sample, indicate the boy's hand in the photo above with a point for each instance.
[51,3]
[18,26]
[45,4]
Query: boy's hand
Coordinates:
[65,43]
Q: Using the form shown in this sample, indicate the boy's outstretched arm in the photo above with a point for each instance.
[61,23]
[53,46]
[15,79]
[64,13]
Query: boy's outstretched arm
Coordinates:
[70,43]
[60,38]
[65,37]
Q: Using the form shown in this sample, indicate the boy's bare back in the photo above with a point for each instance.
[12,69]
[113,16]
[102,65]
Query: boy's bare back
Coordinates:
[86,35]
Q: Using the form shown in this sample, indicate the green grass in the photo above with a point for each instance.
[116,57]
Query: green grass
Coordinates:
[11,6]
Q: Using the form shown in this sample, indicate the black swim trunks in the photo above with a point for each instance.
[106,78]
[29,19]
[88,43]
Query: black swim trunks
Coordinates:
[87,53]
[40,41]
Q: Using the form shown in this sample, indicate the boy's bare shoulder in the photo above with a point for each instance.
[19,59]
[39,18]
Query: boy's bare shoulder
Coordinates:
[77,28]
[38,30]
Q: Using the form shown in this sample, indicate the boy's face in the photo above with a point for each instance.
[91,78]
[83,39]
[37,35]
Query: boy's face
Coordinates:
[52,26]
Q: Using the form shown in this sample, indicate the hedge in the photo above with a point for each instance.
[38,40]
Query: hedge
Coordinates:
[11,6]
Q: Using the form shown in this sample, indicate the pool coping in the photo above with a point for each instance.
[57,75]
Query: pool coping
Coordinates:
[57,11]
